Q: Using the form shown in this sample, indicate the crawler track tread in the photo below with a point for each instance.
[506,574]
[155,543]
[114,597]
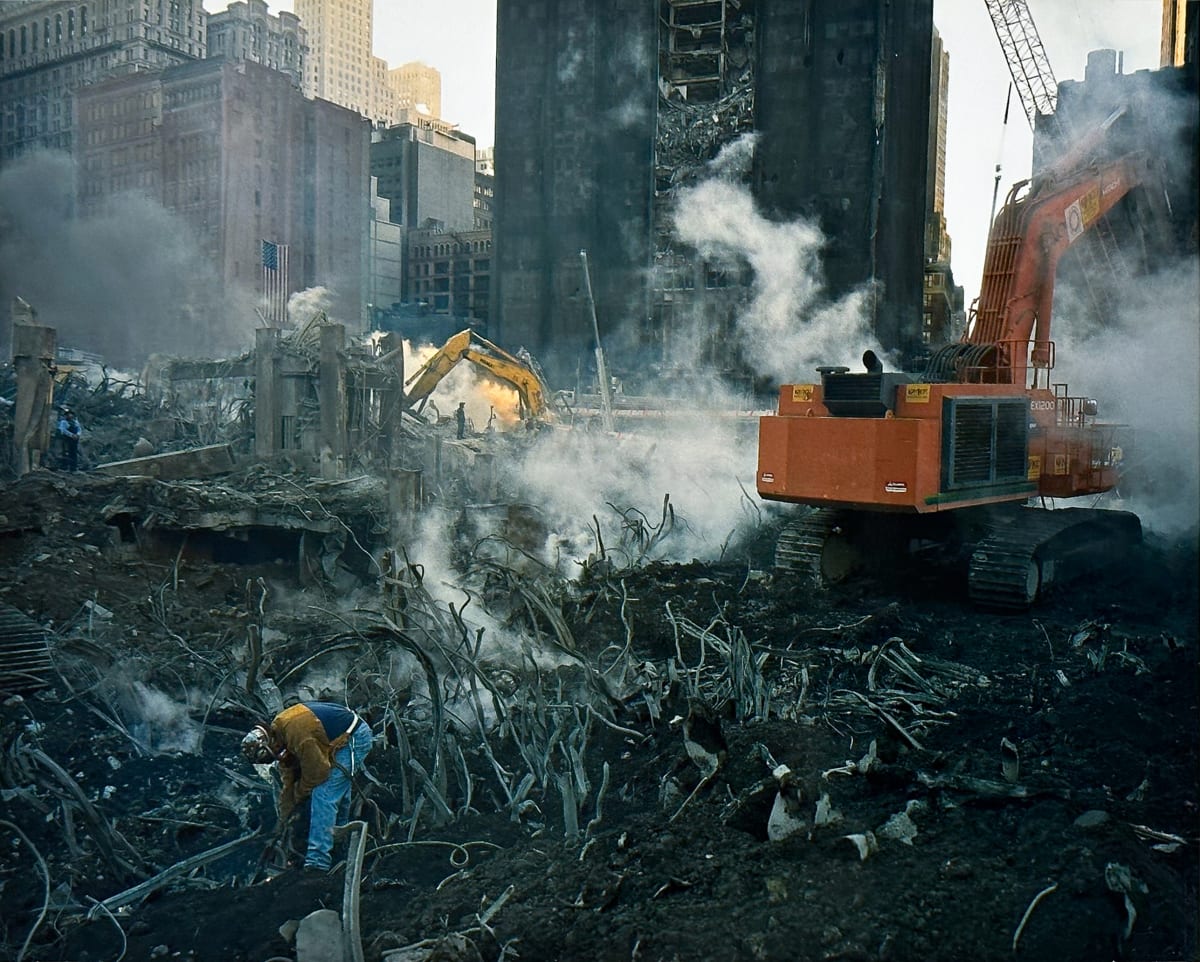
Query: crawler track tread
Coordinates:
[801,543]
[1007,566]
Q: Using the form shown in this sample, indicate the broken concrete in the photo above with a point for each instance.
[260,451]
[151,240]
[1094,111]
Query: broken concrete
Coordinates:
[206,462]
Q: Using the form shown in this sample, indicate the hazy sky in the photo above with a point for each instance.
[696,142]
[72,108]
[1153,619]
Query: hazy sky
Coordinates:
[458,37]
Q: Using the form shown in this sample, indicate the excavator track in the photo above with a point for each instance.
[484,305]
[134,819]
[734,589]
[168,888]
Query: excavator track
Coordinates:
[1030,548]
[814,546]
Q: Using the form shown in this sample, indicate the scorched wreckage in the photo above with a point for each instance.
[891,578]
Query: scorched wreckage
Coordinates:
[581,748]
[568,687]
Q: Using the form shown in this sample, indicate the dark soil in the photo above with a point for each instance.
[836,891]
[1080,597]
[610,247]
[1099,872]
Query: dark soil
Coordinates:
[1096,689]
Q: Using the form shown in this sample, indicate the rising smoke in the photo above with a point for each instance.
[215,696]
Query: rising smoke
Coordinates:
[1143,369]
[124,283]
[703,457]
[790,326]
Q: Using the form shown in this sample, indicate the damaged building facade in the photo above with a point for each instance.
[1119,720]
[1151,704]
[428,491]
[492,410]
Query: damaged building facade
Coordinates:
[605,110]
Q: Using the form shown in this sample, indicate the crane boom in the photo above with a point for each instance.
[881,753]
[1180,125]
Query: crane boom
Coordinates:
[1026,57]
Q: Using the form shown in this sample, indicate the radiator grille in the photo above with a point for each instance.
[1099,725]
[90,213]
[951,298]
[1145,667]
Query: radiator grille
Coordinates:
[986,441]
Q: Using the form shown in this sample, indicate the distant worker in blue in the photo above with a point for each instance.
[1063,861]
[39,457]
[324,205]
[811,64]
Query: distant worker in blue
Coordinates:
[319,745]
[69,430]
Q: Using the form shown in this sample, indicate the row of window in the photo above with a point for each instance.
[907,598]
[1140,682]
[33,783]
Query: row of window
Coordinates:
[28,35]
[119,132]
[480,265]
[119,108]
[444,250]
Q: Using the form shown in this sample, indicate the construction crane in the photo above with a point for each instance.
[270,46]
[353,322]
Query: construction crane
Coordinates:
[1026,57]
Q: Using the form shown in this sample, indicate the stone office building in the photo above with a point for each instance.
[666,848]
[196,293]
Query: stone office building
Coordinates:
[48,50]
[238,152]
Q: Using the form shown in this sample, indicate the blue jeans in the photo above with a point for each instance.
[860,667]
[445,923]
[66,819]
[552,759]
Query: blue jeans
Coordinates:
[330,800]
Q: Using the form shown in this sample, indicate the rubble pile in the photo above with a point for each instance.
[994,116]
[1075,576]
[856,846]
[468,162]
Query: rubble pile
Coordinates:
[653,760]
[584,747]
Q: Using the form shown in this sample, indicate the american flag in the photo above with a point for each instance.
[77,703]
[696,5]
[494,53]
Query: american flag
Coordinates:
[275,282]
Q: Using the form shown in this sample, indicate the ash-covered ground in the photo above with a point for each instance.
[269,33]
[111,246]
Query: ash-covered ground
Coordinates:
[646,761]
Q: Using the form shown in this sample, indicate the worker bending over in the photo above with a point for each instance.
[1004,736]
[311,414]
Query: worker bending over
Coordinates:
[319,746]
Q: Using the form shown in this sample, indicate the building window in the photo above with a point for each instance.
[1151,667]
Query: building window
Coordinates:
[83,21]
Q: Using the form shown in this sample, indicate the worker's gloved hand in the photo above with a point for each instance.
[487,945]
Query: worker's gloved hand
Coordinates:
[287,804]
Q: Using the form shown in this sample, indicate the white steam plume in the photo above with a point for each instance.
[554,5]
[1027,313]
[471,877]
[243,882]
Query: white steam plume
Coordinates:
[789,327]
[1143,369]
[704,460]
[303,305]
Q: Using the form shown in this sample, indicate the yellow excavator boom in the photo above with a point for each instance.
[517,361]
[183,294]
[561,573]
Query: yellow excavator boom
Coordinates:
[470,346]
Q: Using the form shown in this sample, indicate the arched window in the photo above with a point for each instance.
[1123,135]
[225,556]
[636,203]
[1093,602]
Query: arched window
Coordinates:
[46,32]
[33,35]
[24,40]
[83,21]
[70,24]
[58,28]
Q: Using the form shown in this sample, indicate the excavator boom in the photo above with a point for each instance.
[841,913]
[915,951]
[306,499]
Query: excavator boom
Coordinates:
[469,346]
[1029,236]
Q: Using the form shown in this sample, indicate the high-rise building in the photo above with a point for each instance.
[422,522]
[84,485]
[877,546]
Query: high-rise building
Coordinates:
[604,109]
[416,85]
[384,288]
[485,194]
[246,30]
[1180,27]
[937,241]
[449,275]
[942,312]
[49,50]
[340,67]
[237,151]
[427,175]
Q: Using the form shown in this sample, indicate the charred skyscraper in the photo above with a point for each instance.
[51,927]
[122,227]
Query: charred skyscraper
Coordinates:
[605,107]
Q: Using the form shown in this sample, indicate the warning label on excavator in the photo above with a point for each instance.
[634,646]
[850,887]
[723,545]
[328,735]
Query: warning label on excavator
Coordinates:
[916,393]
[1035,467]
[1089,206]
[1075,221]
[802,393]
[1060,464]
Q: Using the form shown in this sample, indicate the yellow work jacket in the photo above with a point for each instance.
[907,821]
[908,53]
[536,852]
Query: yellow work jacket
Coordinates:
[308,754]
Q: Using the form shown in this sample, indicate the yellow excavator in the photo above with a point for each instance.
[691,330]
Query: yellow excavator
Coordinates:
[521,374]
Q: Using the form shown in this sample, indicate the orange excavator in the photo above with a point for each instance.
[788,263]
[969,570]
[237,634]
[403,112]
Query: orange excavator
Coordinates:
[954,455]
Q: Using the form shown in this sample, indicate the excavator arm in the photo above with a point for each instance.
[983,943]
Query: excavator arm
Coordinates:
[1030,234]
[430,374]
[505,367]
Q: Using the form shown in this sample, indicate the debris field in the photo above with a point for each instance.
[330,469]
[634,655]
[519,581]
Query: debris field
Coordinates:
[646,758]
